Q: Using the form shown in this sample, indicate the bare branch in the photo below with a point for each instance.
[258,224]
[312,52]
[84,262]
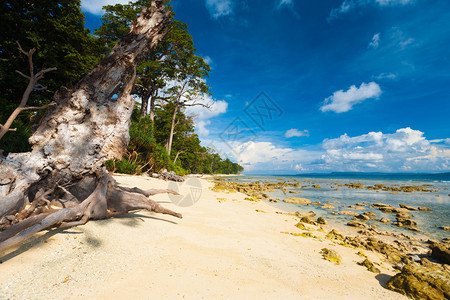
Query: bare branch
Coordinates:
[40,87]
[38,107]
[23,75]
[41,73]
[32,85]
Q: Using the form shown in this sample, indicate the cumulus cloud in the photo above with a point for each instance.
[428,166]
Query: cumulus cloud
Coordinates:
[201,127]
[295,132]
[342,101]
[95,7]
[201,114]
[375,41]
[219,8]
[404,150]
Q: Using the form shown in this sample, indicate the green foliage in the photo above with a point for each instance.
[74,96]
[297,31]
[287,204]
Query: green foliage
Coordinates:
[124,166]
[56,30]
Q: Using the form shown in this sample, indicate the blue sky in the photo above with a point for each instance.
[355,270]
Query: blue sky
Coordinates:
[318,86]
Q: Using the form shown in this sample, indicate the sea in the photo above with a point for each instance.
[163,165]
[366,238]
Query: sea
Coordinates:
[428,221]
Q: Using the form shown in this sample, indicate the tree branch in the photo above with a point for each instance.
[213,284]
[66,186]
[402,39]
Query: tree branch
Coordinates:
[32,84]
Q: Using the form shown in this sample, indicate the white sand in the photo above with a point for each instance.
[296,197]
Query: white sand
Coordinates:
[218,250]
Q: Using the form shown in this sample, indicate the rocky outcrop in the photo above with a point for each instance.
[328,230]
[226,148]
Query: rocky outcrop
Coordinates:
[423,208]
[424,280]
[347,213]
[297,200]
[404,220]
[356,224]
[327,206]
[321,221]
[331,255]
[441,252]
[369,265]
[407,207]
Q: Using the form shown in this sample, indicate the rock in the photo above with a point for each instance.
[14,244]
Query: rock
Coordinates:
[393,210]
[297,200]
[327,206]
[300,226]
[445,228]
[441,252]
[407,207]
[309,214]
[293,192]
[424,208]
[380,205]
[172,176]
[331,255]
[317,203]
[422,281]
[335,235]
[322,221]
[362,217]
[404,220]
[370,266]
[307,220]
[370,214]
[385,220]
[356,224]
[272,200]
[347,213]
[316,186]
[360,204]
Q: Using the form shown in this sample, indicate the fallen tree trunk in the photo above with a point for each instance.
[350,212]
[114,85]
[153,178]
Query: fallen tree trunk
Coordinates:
[62,181]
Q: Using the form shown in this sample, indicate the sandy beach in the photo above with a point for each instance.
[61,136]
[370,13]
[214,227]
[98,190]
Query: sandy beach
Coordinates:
[224,248]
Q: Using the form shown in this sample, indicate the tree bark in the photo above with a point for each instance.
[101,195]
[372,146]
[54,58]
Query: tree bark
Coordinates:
[88,126]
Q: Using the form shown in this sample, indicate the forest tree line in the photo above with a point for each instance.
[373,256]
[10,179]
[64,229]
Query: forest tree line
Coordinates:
[171,79]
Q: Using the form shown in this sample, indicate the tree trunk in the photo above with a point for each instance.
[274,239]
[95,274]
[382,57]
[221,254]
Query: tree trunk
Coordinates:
[144,106]
[88,126]
[172,128]
[152,105]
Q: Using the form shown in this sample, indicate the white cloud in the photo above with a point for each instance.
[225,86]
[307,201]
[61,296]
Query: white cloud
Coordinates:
[386,76]
[342,101]
[95,6]
[208,60]
[295,132]
[406,42]
[393,2]
[201,127]
[375,41]
[219,8]
[404,150]
[288,3]
[201,114]
[348,5]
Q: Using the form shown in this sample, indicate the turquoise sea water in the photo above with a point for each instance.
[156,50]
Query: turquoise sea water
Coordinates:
[428,221]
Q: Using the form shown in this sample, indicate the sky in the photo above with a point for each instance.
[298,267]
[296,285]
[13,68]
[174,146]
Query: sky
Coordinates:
[321,86]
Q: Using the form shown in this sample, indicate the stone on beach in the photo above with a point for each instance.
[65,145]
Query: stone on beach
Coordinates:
[424,280]
[407,207]
[327,206]
[347,213]
[297,200]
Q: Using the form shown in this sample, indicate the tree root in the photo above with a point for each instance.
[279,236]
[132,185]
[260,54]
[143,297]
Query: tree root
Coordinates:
[107,200]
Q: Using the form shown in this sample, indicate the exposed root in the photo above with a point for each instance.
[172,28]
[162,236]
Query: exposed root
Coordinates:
[107,200]
[120,200]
